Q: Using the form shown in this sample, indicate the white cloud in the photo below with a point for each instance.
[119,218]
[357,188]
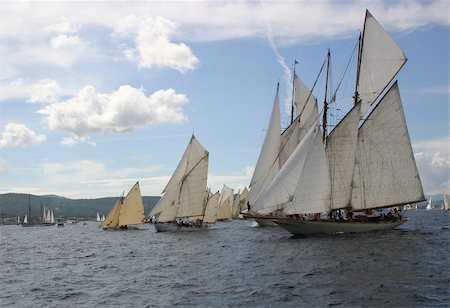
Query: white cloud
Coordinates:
[44,91]
[15,134]
[65,41]
[122,110]
[63,27]
[433,163]
[72,140]
[153,45]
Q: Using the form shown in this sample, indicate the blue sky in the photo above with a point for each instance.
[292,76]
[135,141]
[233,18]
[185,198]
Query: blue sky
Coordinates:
[94,96]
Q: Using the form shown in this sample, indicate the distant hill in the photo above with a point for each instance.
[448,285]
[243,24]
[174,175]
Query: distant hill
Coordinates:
[13,205]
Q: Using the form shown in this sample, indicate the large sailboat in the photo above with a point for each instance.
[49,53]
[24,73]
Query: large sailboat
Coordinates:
[186,204]
[127,211]
[28,222]
[345,180]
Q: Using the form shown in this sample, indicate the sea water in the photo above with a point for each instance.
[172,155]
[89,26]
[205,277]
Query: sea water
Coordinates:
[232,264]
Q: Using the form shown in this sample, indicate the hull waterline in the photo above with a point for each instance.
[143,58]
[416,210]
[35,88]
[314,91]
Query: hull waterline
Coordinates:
[303,227]
[170,227]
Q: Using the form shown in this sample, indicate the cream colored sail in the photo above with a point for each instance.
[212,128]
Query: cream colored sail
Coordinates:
[385,172]
[131,211]
[381,60]
[225,203]
[112,219]
[185,193]
[268,163]
[340,148]
[211,209]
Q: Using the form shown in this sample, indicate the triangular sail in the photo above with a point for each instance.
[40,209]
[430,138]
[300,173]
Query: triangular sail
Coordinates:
[306,106]
[385,172]
[268,163]
[340,149]
[132,209]
[225,203]
[185,193]
[381,60]
[282,189]
[211,209]
[312,193]
[112,219]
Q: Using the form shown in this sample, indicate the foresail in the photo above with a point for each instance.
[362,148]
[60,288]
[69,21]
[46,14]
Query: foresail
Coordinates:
[112,219]
[381,59]
[385,172]
[312,193]
[282,188]
[340,150]
[132,209]
[268,163]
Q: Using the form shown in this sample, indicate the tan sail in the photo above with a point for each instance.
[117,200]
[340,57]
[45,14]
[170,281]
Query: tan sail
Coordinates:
[132,208]
[112,219]
[225,203]
[211,208]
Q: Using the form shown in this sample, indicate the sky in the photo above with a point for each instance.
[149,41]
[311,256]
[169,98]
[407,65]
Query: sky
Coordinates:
[95,96]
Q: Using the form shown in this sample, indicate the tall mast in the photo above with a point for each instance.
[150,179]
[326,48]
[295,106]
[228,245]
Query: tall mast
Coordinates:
[293,91]
[358,67]
[325,103]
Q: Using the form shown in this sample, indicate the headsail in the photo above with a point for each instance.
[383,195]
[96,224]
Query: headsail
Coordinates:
[211,208]
[268,163]
[132,209]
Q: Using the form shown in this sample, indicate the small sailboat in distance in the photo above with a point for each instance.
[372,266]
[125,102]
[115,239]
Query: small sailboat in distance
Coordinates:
[127,211]
[430,205]
[445,204]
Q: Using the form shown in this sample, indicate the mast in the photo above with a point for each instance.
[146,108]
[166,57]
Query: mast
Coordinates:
[293,91]
[325,104]
[358,67]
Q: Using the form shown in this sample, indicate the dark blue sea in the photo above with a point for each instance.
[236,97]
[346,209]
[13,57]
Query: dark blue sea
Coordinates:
[231,265]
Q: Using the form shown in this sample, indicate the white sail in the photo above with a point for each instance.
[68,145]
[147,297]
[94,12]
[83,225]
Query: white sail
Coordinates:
[185,194]
[381,59]
[98,217]
[225,203]
[281,190]
[103,218]
[211,208]
[445,202]
[385,172]
[25,219]
[112,219]
[430,205]
[52,217]
[340,149]
[268,163]
[306,106]
[48,217]
[312,194]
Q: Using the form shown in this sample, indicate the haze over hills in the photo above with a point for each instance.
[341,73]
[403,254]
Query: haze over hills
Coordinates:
[13,205]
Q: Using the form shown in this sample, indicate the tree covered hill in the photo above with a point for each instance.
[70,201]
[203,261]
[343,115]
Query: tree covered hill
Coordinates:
[13,205]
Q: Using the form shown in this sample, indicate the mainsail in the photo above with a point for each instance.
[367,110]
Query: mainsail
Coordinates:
[126,211]
[225,203]
[211,208]
[385,171]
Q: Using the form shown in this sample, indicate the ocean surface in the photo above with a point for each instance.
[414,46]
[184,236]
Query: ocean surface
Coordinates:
[231,265]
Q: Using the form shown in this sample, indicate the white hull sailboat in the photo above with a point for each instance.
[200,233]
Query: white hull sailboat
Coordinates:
[354,172]
[187,205]
[430,205]
[127,212]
